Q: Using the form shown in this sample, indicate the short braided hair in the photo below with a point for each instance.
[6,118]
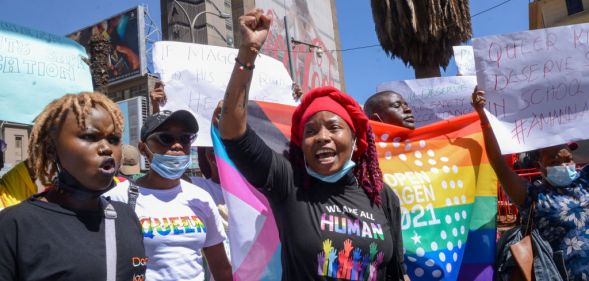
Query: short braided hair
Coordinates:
[50,122]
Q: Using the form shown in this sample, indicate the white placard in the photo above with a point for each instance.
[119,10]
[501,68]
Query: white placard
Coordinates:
[536,85]
[196,77]
[464,58]
[434,99]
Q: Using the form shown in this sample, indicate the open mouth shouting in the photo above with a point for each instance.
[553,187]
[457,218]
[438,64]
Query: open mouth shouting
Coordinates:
[325,156]
[108,167]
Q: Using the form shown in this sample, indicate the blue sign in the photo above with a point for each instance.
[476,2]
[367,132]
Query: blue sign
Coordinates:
[35,68]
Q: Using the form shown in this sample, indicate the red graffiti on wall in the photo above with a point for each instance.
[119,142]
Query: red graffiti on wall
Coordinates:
[310,70]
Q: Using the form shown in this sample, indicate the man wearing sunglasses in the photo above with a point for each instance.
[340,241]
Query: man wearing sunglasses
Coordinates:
[180,221]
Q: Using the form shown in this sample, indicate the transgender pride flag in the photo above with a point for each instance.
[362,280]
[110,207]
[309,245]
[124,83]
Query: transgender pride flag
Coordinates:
[440,172]
[253,236]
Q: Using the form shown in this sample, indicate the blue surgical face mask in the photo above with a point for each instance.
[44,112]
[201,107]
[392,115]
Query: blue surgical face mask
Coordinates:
[337,175]
[561,175]
[170,166]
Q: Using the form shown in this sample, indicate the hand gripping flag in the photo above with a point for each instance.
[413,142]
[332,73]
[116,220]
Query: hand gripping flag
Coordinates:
[440,172]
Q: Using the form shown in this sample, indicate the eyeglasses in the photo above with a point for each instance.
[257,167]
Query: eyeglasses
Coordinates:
[168,138]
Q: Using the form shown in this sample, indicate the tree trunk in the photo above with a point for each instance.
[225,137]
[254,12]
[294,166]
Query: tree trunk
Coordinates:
[100,50]
[427,71]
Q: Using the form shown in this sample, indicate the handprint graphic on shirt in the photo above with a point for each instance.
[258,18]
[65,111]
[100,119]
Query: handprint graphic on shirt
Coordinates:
[349,263]
[379,258]
[373,251]
[327,246]
[365,270]
[336,266]
[372,276]
[320,262]
[356,263]
[348,247]
[327,251]
[348,269]
[342,264]
[332,259]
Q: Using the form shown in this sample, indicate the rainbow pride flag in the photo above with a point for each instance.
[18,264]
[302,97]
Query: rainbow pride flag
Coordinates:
[440,172]
[448,194]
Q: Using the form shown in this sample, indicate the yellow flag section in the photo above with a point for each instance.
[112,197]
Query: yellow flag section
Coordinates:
[448,194]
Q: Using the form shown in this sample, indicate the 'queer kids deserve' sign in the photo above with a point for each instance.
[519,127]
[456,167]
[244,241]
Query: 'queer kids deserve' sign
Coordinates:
[434,99]
[536,85]
[196,77]
[36,68]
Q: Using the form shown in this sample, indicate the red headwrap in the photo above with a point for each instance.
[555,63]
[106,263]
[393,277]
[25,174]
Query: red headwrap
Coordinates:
[330,99]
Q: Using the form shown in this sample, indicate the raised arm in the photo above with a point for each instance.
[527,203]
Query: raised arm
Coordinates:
[253,28]
[158,97]
[515,186]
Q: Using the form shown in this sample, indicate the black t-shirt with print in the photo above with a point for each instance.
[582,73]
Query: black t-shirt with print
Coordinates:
[43,241]
[329,231]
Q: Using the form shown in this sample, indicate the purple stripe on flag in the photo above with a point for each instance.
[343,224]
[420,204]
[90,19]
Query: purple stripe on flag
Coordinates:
[481,246]
[476,272]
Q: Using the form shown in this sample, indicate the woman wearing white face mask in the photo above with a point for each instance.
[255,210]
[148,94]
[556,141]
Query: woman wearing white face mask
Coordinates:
[179,220]
[561,199]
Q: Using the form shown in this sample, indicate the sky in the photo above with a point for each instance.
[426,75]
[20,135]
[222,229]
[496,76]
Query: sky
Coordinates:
[364,69]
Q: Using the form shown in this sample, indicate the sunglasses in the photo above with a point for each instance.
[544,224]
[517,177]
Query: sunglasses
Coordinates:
[169,139]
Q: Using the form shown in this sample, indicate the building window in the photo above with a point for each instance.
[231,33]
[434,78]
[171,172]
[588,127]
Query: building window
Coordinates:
[18,141]
[19,151]
[574,6]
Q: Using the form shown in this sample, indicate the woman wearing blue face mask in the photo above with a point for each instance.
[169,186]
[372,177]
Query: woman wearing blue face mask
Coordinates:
[336,219]
[180,221]
[561,199]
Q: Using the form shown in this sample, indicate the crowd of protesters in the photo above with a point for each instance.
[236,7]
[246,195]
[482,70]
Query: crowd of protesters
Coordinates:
[79,207]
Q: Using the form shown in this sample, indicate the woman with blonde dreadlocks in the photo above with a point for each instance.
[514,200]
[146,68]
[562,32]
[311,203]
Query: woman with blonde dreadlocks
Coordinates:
[70,232]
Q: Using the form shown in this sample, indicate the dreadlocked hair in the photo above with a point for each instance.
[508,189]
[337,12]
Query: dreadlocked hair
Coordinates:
[48,124]
[367,170]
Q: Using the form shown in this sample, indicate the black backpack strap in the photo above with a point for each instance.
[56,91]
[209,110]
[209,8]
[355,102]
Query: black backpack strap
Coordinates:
[133,194]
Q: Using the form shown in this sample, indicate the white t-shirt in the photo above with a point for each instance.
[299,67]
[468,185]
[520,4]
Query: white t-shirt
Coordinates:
[213,188]
[177,223]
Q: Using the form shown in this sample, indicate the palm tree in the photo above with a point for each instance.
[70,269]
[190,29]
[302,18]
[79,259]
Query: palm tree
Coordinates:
[100,49]
[422,32]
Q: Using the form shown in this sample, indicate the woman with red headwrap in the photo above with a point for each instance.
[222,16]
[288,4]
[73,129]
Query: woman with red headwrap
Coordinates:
[335,219]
